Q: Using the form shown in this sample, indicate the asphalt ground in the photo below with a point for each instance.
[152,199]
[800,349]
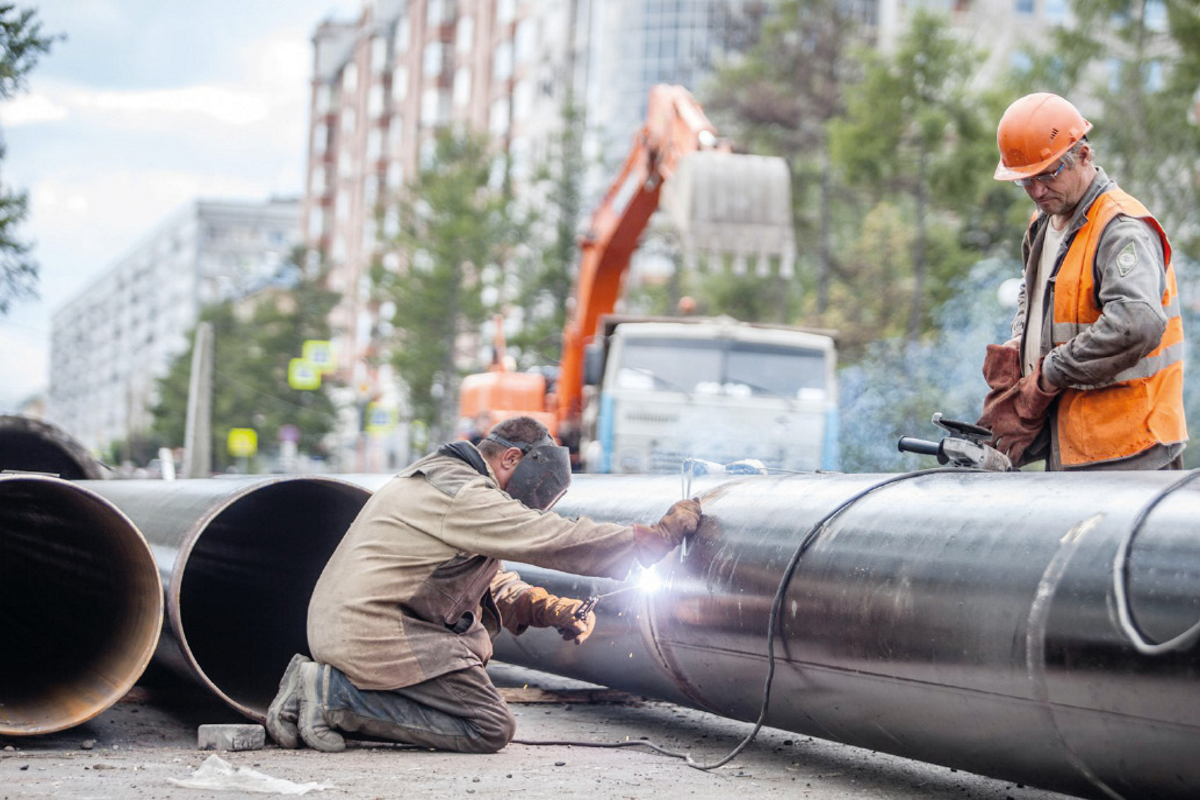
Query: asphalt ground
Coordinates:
[138,746]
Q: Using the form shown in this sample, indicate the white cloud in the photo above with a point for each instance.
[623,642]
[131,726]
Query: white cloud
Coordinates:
[229,106]
[28,109]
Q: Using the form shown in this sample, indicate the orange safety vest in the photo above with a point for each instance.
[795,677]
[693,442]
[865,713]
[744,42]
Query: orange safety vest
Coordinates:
[1141,406]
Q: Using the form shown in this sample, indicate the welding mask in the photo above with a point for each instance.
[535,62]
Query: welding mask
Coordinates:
[543,474]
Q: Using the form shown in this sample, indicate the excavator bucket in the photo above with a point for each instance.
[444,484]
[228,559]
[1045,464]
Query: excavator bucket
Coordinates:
[733,205]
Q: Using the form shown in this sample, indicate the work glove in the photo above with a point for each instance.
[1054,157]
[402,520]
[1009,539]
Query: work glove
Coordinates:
[655,541]
[539,608]
[1001,367]
[1016,415]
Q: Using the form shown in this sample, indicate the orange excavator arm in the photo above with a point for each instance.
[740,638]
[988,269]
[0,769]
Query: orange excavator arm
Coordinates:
[675,126]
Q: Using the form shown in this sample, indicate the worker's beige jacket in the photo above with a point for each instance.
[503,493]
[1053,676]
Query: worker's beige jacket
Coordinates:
[407,596]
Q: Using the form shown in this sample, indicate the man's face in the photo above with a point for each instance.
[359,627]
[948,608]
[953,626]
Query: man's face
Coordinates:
[1059,196]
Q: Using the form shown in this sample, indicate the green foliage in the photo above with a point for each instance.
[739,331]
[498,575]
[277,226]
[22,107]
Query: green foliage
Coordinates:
[777,100]
[545,278]
[914,134]
[1145,134]
[21,45]
[454,227]
[255,339]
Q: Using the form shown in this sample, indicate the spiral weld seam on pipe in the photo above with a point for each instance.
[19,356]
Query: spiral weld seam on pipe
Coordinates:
[942,619]
[239,559]
[82,604]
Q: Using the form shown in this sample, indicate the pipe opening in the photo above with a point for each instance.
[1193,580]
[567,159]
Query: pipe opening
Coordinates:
[245,585]
[81,604]
[36,446]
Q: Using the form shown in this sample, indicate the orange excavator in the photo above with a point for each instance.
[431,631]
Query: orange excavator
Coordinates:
[721,204]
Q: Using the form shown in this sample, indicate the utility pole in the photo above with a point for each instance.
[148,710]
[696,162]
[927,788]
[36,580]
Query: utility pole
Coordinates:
[197,436]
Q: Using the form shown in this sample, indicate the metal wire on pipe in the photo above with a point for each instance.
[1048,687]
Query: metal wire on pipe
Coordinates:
[964,619]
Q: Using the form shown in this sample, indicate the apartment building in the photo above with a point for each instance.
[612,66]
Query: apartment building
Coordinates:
[382,85]
[118,335]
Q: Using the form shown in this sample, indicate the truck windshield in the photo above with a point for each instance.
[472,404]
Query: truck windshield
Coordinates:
[721,367]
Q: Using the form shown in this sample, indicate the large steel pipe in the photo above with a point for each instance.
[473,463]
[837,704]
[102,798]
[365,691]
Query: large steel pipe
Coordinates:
[239,558]
[34,445]
[81,605]
[963,619]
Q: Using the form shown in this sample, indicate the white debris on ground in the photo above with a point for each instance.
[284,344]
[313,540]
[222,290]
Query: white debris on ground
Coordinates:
[217,773]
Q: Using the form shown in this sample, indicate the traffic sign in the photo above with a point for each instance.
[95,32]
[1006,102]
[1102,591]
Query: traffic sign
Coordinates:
[302,375]
[319,353]
[242,442]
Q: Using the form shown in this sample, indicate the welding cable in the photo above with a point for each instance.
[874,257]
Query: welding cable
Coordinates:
[772,625]
[1129,625]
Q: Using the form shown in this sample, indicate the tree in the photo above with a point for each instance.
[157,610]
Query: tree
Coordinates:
[778,100]
[453,226]
[255,340]
[546,279]
[21,45]
[1134,68]
[913,132]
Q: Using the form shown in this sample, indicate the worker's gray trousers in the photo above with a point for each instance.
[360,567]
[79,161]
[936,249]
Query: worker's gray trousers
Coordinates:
[459,711]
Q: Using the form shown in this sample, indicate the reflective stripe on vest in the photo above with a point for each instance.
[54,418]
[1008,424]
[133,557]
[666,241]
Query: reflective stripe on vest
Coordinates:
[1142,405]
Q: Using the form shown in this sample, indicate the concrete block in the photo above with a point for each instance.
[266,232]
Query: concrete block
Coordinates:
[232,737]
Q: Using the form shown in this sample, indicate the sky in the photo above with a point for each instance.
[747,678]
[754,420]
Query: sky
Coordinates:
[145,106]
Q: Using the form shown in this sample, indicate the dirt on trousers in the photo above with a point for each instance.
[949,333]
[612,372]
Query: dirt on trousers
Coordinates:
[134,748]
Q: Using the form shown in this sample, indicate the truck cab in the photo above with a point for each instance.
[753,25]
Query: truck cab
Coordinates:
[659,391]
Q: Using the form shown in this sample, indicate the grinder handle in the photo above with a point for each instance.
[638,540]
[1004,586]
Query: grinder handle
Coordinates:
[910,444]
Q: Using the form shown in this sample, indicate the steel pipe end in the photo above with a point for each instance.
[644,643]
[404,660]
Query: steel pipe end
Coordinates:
[238,596]
[33,445]
[81,604]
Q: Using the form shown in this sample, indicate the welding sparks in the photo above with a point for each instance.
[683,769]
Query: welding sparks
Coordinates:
[648,581]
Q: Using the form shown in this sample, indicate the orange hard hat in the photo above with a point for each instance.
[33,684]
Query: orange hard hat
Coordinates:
[1034,132]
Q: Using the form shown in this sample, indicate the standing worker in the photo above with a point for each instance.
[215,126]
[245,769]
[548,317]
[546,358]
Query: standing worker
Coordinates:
[1093,375]
[401,621]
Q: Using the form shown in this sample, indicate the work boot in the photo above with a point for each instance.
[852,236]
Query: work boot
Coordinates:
[281,715]
[310,718]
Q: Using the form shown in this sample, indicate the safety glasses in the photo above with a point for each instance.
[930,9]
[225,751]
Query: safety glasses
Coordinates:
[1043,177]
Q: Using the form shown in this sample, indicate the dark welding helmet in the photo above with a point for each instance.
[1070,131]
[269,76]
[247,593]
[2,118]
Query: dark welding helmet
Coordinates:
[543,474]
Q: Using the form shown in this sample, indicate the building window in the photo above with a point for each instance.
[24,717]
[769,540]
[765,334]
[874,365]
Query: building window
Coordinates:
[464,36]
[506,11]
[379,54]
[498,117]
[523,100]
[1055,11]
[1023,7]
[524,43]
[403,32]
[1155,16]
[429,107]
[462,87]
[502,61]
[400,84]
[432,63]
[350,78]
[1154,76]
[375,102]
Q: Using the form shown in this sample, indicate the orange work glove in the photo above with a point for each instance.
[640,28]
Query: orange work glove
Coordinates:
[655,541]
[537,607]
